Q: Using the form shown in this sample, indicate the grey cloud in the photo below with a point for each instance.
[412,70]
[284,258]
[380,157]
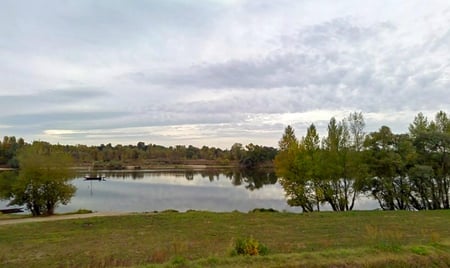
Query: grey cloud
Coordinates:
[41,99]
[85,27]
[316,57]
[64,120]
[333,65]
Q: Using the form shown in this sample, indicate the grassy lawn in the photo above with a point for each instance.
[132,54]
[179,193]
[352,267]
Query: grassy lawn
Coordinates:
[204,239]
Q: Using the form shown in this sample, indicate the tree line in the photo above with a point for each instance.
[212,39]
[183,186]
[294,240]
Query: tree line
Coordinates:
[118,156]
[401,171]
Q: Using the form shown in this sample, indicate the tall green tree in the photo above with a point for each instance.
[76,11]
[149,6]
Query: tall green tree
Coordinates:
[431,175]
[292,169]
[297,167]
[312,161]
[390,158]
[43,180]
[333,172]
[343,169]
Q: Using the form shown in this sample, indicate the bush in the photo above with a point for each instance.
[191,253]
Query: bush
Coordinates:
[83,211]
[170,211]
[248,247]
[263,210]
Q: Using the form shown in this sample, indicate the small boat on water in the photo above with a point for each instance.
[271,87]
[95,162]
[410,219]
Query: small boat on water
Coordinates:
[93,178]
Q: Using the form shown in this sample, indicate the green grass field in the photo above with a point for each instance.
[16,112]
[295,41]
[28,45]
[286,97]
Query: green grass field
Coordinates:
[205,239]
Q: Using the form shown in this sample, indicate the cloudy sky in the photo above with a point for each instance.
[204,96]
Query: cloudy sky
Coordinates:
[216,72]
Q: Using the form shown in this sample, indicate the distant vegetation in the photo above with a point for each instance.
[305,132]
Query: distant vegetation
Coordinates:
[119,156]
[401,171]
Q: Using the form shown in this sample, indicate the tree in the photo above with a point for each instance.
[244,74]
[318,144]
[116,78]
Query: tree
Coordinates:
[390,158]
[288,139]
[256,156]
[43,180]
[294,164]
[333,164]
[312,162]
[341,168]
[236,151]
[312,174]
[431,175]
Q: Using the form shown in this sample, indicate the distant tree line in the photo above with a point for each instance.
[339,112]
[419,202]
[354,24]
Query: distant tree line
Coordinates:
[118,156]
[401,171]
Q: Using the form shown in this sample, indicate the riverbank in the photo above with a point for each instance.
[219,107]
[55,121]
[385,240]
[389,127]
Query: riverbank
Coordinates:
[204,239]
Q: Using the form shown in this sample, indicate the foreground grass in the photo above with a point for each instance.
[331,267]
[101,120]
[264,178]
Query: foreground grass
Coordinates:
[199,239]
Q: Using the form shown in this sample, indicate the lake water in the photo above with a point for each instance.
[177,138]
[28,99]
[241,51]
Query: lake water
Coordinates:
[219,191]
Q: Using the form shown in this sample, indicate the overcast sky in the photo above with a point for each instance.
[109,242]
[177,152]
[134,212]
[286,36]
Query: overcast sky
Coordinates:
[216,72]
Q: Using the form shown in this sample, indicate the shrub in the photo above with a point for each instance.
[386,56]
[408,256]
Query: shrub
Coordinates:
[83,211]
[170,211]
[248,247]
[263,210]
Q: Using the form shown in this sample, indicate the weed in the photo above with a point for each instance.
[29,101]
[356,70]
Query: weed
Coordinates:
[212,261]
[388,246]
[248,247]
[179,261]
[419,250]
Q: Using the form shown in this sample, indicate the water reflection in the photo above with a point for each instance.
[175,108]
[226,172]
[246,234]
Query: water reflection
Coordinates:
[212,190]
[251,178]
[149,190]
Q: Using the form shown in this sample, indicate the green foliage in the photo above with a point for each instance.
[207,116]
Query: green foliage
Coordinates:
[389,159]
[119,156]
[82,211]
[179,261]
[401,171]
[170,211]
[333,171]
[420,250]
[248,247]
[256,156]
[293,166]
[257,210]
[42,181]
[8,151]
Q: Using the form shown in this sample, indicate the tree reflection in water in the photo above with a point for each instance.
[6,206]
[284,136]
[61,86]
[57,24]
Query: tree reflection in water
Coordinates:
[251,178]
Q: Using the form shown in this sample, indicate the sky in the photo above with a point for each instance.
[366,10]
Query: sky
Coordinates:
[217,72]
